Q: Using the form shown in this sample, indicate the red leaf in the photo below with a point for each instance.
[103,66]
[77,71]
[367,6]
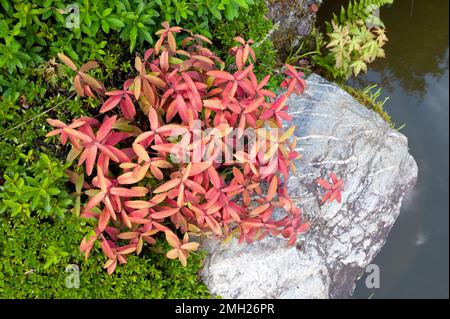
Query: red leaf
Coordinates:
[77,134]
[125,192]
[272,188]
[107,249]
[221,75]
[110,103]
[323,183]
[167,186]
[259,210]
[165,213]
[106,127]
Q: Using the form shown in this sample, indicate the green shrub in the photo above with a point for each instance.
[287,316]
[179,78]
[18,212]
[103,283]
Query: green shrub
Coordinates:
[252,24]
[42,193]
[29,30]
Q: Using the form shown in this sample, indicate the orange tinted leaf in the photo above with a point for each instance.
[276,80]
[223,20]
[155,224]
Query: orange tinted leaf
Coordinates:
[78,86]
[334,179]
[128,235]
[203,38]
[167,186]
[238,175]
[172,239]
[198,168]
[214,177]
[137,87]
[203,59]
[106,127]
[91,81]
[89,66]
[110,104]
[67,61]
[125,192]
[138,204]
[272,188]
[138,64]
[141,152]
[338,184]
[172,254]
[287,134]
[155,80]
[124,250]
[164,60]
[165,213]
[182,257]
[103,220]
[107,249]
[192,246]
[172,42]
[159,198]
[259,210]
[326,196]
[304,227]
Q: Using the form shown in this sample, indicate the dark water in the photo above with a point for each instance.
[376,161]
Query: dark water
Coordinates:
[414,263]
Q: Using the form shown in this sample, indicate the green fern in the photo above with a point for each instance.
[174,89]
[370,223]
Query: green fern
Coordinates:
[361,10]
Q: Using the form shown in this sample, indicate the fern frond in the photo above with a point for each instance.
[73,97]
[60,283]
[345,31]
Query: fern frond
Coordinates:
[361,10]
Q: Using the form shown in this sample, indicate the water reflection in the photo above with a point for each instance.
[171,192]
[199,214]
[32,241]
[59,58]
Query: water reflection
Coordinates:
[418,41]
[418,32]
[414,263]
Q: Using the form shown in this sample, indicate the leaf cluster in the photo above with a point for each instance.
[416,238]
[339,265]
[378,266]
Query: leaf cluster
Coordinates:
[144,184]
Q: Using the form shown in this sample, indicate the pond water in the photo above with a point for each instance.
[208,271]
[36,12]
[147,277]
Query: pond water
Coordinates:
[414,263]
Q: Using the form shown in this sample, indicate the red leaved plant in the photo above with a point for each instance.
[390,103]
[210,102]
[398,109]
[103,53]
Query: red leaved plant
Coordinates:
[334,189]
[138,191]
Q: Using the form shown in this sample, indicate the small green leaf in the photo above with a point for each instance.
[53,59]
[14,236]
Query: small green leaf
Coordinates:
[115,23]
[53,191]
[106,12]
[133,37]
[105,26]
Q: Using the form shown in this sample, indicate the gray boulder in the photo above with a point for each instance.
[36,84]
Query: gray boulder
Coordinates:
[335,133]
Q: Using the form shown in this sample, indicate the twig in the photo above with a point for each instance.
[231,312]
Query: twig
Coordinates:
[39,115]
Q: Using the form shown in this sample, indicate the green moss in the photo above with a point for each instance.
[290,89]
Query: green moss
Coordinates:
[251,24]
[40,238]
[369,100]
[34,254]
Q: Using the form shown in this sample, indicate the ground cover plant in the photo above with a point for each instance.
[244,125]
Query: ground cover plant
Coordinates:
[34,85]
[38,189]
[136,190]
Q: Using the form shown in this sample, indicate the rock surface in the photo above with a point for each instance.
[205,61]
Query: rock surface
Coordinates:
[293,20]
[337,134]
